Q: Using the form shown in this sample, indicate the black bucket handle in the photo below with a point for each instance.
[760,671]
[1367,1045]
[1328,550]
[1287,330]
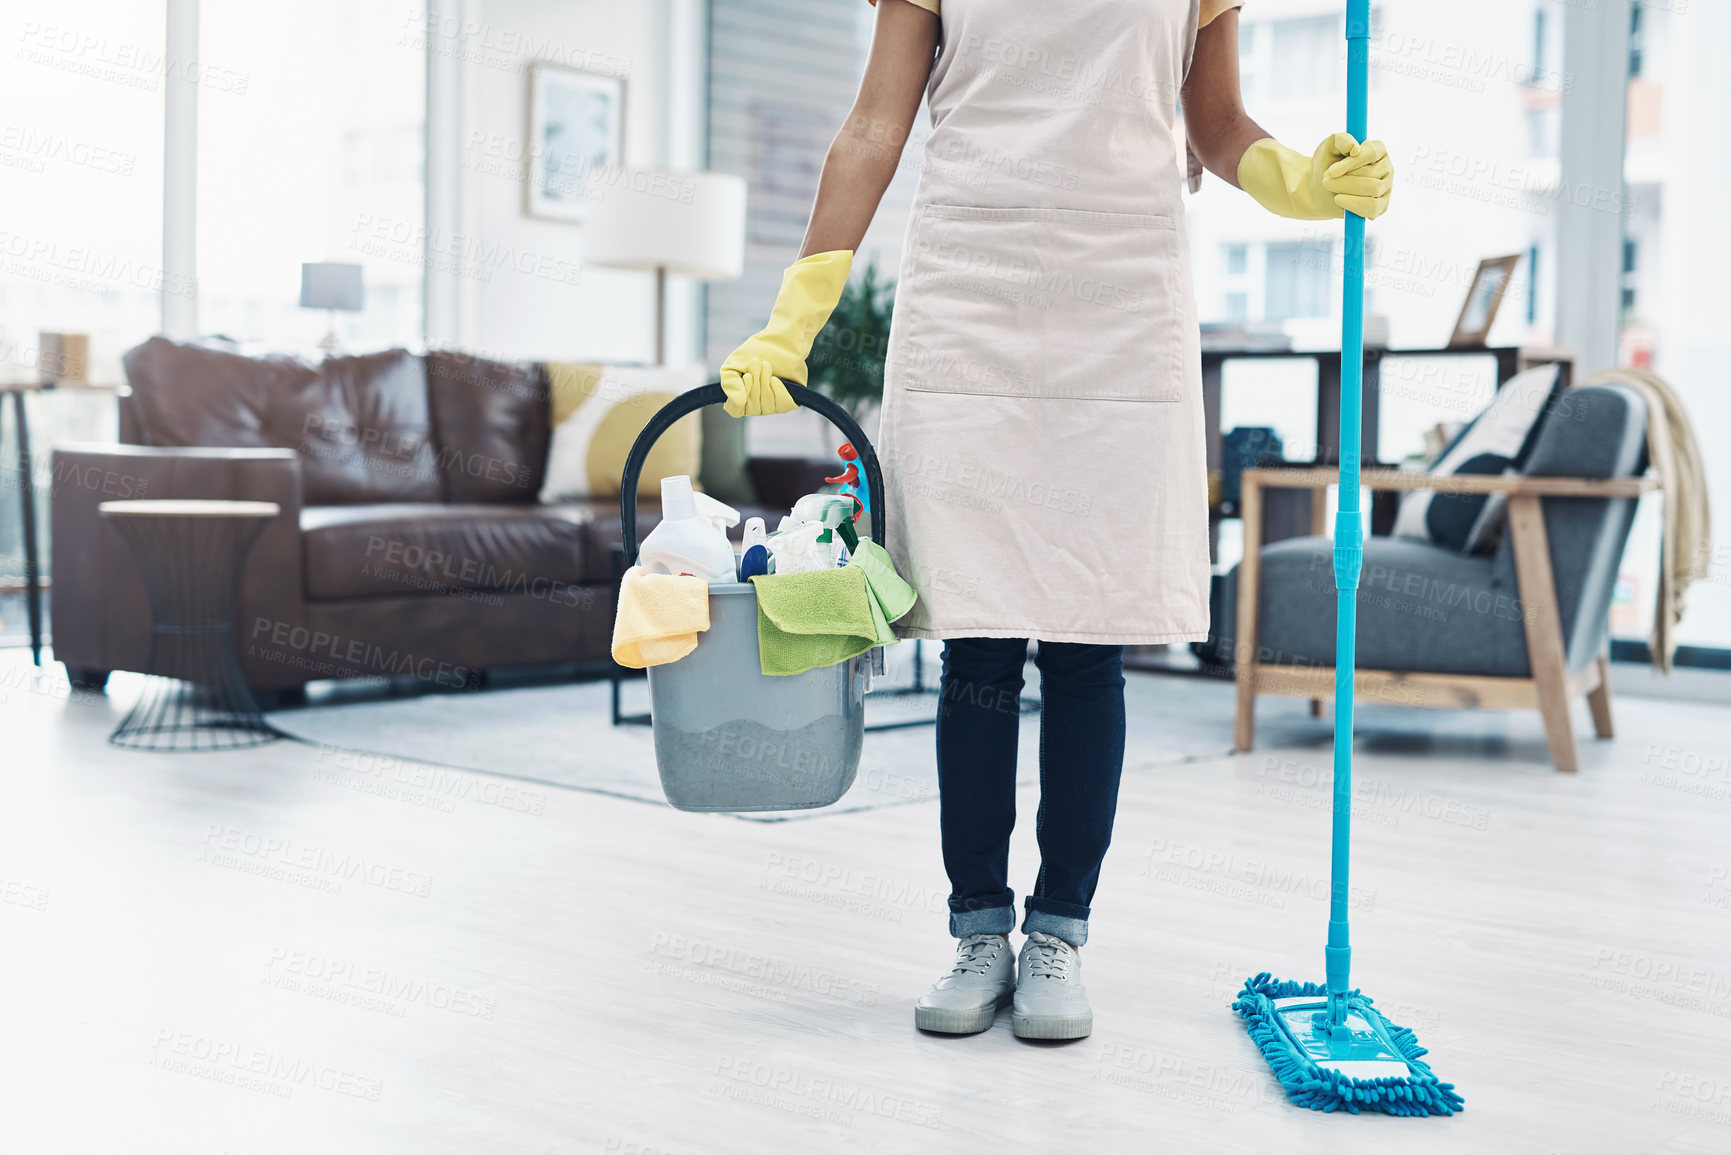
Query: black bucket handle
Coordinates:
[694,399]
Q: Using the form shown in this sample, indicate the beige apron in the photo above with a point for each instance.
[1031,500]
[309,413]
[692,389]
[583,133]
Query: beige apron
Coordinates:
[1042,435]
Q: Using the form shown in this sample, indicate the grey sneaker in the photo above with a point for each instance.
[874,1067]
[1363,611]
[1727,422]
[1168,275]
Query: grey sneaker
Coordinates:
[967,999]
[1050,1002]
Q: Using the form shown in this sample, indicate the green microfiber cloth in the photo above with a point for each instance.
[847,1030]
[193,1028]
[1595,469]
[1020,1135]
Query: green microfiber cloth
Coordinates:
[812,619]
[890,596]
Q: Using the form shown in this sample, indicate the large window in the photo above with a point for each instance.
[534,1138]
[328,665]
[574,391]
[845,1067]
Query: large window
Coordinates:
[80,178]
[1674,292]
[1305,53]
[81,132]
[317,157]
[1467,102]
[1470,105]
[1300,281]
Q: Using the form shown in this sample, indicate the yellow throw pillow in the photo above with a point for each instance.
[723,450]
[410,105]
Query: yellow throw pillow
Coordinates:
[598,411]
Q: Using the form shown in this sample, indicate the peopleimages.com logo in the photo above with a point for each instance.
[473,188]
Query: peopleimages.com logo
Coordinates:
[322,652]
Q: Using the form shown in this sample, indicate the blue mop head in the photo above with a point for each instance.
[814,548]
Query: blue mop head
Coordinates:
[1315,1071]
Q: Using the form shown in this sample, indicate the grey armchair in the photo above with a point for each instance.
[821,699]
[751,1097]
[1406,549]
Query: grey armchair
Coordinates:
[1524,627]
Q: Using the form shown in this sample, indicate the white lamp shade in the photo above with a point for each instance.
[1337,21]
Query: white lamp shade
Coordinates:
[331,285]
[691,224]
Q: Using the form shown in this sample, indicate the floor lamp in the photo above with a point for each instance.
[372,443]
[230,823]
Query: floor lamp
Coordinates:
[689,224]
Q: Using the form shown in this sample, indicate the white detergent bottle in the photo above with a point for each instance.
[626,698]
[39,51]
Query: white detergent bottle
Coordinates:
[686,542]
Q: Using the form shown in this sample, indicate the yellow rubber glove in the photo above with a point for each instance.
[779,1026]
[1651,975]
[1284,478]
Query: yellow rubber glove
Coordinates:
[1341,174]
[752,375]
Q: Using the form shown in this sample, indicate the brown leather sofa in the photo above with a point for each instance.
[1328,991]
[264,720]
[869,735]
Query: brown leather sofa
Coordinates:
[410,542]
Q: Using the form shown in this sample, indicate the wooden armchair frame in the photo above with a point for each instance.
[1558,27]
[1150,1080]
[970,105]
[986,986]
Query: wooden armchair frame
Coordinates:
[1551,688]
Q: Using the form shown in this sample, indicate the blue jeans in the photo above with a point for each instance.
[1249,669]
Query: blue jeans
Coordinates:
[1081,760]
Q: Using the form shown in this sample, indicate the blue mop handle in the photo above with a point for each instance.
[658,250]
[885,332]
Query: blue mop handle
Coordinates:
[1348,527]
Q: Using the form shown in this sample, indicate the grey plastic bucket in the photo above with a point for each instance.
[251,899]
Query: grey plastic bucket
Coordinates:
[727,736]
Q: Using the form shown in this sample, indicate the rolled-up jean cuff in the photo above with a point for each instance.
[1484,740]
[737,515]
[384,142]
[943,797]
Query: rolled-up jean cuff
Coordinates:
[1064,919]
[969,916]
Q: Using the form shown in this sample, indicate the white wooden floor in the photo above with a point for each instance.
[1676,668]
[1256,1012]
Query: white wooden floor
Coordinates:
[275,951]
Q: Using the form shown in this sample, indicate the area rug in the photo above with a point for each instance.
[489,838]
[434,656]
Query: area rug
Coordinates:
[561,735]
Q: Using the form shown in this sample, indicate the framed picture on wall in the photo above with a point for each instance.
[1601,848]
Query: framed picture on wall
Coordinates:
[576,127]
[1484,296]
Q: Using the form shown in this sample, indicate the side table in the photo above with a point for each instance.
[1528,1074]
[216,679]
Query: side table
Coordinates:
[27,492]
[190,554]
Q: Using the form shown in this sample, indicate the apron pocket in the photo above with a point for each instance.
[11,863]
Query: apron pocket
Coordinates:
[1043,303]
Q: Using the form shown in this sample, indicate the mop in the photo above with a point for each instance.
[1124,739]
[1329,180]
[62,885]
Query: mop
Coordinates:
[1329,1047]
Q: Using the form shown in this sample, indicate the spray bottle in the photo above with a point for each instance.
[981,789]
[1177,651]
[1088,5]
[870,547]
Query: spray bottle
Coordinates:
[828,510]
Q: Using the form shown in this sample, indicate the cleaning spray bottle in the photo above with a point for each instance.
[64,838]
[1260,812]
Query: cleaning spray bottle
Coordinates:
[828,510]
[794,548]
[753,554]
[850,478]
[686,542]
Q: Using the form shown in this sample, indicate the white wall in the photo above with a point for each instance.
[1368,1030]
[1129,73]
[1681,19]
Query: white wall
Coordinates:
[606,315]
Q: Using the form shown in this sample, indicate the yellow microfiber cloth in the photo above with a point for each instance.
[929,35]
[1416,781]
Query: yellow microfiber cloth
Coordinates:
[658,618]
[812,619]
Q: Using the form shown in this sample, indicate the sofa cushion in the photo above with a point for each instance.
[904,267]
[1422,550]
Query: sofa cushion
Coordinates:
[490,426]
[355,551]
[1497,441]
[1592,431]
[190,395]
[363,429]
[1421,607]
[360,424]
[598,412]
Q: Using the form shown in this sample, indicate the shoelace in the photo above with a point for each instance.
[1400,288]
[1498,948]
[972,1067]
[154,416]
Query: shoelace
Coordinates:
[975,954]
[1047,958]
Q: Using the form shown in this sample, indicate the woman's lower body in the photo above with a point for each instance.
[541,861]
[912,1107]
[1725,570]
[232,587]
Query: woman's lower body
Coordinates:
[1081,761]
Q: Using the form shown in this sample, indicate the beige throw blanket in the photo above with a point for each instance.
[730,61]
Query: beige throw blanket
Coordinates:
[1686,547]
